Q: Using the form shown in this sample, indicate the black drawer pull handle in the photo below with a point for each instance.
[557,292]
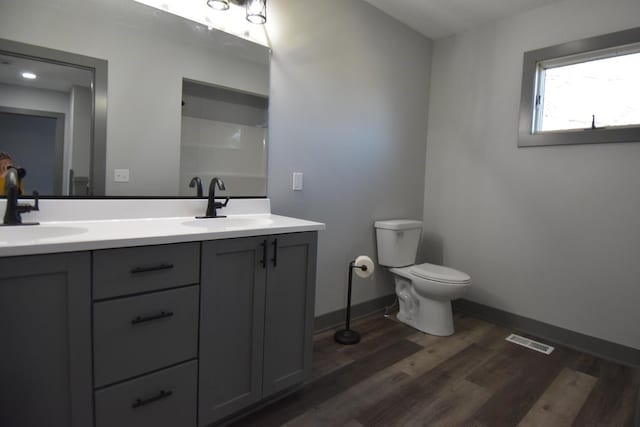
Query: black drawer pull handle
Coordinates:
[142,402]
[161,315]
[275,253]
[263,261]
[154,268]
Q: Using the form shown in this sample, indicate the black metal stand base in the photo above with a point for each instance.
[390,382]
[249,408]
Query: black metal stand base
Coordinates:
[347,337]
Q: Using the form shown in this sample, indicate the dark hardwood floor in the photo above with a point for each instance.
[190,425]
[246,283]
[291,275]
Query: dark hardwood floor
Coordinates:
[398,376]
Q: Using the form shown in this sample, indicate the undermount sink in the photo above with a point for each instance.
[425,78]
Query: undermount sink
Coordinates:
[228,222]
[32,233]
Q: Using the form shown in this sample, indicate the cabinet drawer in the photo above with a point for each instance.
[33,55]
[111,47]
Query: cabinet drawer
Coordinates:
[162,399]
[139,334]
[127,271]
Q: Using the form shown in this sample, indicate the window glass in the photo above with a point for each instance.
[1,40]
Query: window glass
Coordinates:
[601,93]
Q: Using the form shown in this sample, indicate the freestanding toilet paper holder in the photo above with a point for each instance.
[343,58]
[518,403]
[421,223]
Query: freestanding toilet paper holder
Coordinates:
[347,336]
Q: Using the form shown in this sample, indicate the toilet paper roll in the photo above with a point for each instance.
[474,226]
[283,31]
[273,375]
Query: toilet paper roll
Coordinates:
[365,261]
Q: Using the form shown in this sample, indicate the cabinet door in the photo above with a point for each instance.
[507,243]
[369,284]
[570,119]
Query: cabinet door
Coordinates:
[45,360]
[289,309]
[231,326]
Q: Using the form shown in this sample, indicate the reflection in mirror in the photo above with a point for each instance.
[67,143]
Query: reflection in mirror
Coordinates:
[149,52]
[45,124]
[224,134]
[233,19]
[53,118]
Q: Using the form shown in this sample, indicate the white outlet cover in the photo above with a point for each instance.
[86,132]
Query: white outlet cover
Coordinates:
[297,181]
[121,175]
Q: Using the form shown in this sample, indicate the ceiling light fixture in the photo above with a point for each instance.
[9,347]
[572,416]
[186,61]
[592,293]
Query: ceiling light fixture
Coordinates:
[28,75]
[256,9]
[218,4]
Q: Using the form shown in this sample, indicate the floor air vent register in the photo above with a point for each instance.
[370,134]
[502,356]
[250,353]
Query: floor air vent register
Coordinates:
[531,344]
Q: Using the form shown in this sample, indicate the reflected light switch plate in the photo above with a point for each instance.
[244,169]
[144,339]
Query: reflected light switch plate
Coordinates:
[121,175]
[297,181]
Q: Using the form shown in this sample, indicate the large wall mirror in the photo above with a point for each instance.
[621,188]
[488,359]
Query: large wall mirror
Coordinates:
[129,101]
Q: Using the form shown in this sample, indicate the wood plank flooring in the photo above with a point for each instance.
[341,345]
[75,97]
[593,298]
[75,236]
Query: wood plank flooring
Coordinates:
[397,376]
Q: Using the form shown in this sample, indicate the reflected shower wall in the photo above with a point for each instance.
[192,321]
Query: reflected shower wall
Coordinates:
[224,134]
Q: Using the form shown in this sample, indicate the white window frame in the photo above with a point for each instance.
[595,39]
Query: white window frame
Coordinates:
[536,61]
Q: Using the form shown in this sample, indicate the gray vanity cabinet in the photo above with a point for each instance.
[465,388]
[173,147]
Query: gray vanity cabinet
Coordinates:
[145,335]
[256,316]
[289,311]
[45,336]
[232,296]
[170,334]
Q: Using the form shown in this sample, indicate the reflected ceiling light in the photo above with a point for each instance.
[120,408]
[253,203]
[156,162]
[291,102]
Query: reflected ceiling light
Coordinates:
[218,4]
[28,75]
[256,9]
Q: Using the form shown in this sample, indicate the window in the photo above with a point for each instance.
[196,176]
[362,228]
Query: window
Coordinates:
[582,92]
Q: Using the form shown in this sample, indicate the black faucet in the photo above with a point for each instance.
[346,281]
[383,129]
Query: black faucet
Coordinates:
[196,182]
[12,214]
[212,205]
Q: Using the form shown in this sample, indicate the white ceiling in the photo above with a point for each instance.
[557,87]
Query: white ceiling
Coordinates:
[50,76]
[440,18]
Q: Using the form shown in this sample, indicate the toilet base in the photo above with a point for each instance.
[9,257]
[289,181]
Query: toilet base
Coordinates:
[432,317]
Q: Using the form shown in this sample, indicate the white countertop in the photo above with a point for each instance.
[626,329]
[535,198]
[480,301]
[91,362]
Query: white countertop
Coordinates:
[91,234]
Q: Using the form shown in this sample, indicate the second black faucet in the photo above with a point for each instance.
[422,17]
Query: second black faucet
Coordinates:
[212,205]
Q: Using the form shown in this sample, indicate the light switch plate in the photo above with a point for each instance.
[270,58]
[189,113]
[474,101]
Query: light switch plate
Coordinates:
[297,181]
[121,175]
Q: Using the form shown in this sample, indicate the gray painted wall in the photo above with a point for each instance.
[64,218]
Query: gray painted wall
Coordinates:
[348,108]
[548,233]
[149,54]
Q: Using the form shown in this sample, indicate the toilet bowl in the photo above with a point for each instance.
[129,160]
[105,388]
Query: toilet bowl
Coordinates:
[425,301]
[425,291]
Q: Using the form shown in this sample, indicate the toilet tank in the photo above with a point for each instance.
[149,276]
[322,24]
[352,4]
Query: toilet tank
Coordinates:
[398,241]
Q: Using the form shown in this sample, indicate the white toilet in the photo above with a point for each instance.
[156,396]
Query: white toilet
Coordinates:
[425,290]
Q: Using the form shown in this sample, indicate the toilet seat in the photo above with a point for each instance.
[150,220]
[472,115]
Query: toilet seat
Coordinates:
[439,273]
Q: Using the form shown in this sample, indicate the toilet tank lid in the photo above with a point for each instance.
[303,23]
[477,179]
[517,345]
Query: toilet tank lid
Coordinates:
[398,224]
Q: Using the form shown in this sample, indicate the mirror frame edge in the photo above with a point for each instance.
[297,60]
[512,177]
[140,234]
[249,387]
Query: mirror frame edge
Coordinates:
[99,69]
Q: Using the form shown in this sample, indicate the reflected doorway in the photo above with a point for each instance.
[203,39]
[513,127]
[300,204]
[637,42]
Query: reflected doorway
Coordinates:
[35,142]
